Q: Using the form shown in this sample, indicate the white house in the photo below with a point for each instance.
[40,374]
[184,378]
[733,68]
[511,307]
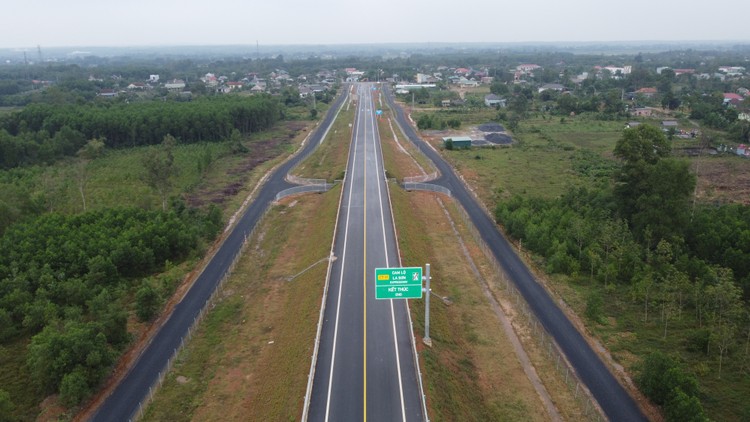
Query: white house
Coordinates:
[492,100]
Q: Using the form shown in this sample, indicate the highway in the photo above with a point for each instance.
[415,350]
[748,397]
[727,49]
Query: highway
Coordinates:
[617,404]
[125,400]
[365,364]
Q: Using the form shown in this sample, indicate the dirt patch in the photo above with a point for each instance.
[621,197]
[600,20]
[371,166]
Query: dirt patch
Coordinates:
[499,138]
[491,127]
[723,179]
[260,152]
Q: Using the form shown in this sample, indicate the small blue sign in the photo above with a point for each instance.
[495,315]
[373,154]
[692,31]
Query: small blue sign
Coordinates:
[378,112]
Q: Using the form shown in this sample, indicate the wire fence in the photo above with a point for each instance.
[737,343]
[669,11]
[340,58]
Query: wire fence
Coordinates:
[304,181]
[207,306]
[544,340]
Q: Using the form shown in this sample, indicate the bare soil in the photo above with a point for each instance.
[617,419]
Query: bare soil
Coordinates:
[723,179]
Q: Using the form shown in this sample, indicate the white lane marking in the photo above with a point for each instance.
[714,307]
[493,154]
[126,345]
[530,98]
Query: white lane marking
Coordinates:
[387,264]
[341,273]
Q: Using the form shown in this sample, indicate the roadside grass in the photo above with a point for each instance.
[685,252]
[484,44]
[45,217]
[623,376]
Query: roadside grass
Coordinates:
[250,357]
[399,165]
[471,373]
[329,159]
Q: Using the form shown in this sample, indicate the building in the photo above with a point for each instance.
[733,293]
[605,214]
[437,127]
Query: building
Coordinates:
[175,85]
[492,100]
[458,141]
[107,93]
[552,87]
[647,92]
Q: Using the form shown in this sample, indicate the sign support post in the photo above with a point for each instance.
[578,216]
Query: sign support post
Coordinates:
[427,340]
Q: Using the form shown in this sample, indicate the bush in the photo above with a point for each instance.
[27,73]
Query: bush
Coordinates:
[146,302]
[663,380]
[594,304]
[6,407]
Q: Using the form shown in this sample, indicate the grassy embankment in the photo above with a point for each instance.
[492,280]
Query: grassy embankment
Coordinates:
[541,165]
[326,161]
[114,180]
[250,356]
[472,371]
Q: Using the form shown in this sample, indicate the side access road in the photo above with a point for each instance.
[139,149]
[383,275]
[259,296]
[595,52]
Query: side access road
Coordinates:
[617,404]
[125,400]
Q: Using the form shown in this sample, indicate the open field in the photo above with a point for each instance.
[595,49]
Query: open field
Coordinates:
[250,356]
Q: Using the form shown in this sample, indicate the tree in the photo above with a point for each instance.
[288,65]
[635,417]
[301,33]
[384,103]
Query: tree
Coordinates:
[499,88]
[660,374]
[725,311]
[147,302]
[161,169]
[642,289]
[652,192]
[643,143]
[6,407]
[681,407]
[92,150]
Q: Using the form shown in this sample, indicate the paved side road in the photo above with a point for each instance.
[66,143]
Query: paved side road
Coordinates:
[124,401]
[611,396]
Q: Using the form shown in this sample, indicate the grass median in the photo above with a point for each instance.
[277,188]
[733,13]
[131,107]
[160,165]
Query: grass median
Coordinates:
[250,357]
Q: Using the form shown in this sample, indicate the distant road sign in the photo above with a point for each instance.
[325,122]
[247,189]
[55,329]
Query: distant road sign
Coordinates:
[398,283]
[378,112]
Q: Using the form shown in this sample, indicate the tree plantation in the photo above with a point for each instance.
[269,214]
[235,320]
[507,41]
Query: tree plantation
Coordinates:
[685,266]
[64,280]
[43,133]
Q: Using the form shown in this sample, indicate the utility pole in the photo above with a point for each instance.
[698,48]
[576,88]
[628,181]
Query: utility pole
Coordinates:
[427,340]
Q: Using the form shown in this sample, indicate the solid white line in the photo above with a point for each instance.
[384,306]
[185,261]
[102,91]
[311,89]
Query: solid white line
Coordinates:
[324,299]
[341,273]
[387,263]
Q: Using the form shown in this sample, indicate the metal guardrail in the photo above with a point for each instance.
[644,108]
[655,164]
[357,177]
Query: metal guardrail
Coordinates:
[302,189]
[304,181]
[426,187]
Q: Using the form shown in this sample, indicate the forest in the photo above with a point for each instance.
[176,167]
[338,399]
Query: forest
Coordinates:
[43,133]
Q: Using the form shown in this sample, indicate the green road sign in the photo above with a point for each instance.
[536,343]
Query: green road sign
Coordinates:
[398,283]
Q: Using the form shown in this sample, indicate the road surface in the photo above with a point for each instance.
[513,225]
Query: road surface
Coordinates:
[617,404]
[125,400]
[365,367]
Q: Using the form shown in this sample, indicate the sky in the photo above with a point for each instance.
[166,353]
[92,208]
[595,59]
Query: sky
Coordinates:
[55,23]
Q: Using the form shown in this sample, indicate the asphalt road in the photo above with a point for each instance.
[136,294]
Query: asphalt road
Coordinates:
[365,367]
[611,396]
[124,402]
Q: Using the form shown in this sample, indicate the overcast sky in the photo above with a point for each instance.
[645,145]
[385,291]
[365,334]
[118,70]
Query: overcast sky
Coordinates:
[53,23]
